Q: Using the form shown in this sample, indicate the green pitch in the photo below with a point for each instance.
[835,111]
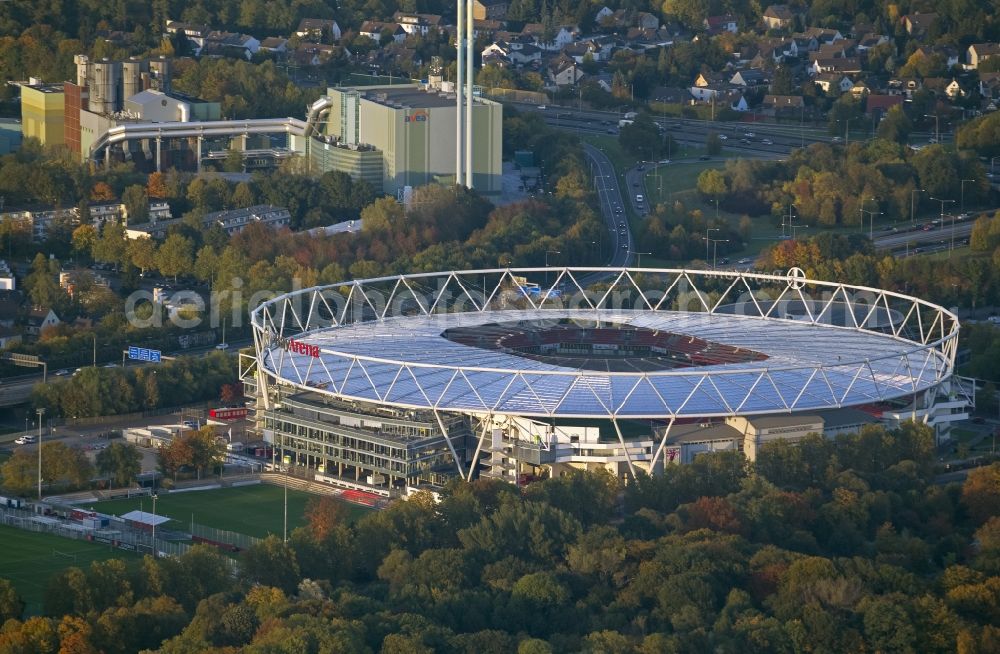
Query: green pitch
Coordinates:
[28,559]
[256,510]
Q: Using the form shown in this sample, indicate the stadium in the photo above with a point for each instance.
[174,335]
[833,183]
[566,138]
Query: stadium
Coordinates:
[517,374]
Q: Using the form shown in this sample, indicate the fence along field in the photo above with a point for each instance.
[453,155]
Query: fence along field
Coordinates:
[30,558]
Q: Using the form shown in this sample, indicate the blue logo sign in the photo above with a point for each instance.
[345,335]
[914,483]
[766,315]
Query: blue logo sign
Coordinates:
[143,354]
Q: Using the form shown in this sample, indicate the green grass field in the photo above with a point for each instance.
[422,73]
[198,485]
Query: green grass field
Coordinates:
[28,560]
[255,510]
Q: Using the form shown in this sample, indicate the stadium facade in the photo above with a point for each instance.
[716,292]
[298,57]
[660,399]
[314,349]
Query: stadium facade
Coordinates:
[408,381]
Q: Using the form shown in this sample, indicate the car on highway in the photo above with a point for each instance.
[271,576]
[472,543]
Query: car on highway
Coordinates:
[639,198]
[541,107]
[61,373]
[25,440]
[664,162]
[704,157]
[744,140]
[749,135]
[767,141]
[618,210]
[611,130]
[744,261]
[723,137]
[222,346]
[621,225]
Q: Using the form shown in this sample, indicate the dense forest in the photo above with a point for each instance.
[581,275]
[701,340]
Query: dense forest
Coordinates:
[825,546]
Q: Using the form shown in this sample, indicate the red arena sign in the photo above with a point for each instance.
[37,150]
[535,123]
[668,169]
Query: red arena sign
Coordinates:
[228,414]
[297,347]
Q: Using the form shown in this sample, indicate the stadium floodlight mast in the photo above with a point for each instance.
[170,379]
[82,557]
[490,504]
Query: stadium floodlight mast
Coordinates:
[40,412]
[464,74]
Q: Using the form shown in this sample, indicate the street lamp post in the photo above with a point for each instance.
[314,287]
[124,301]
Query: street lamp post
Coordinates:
[941,217]
[707,238]
[912,206]
[547,253]
[847,127]
[715,247]
[963,192]
[871,224]
[154,496]
[993,161]
[871,231]
[40,412]
[94,361]
[937,129]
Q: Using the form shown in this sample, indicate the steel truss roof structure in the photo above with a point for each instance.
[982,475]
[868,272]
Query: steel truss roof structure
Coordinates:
[828,345]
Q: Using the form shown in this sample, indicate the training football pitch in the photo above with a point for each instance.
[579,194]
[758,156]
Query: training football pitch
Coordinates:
[256,510]
[28,559]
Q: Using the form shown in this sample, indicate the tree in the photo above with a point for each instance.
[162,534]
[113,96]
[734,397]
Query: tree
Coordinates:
[11,604]
[142,253]
[102,192]
[641,138]
[112,246]
[175,256]
[120,461]
[981,493]
[895,125]
[83,241]
[156,186]
[136,203]
[233,163]
[712,183]
[243,196]
[323,515]
[42,283]
[713,144]
[271,563]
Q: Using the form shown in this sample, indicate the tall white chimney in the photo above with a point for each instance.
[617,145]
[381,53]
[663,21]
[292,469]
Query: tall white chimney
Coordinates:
[460,45]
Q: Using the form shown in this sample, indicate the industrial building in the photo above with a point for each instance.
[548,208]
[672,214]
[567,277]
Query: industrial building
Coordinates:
[42,112]
[411,129]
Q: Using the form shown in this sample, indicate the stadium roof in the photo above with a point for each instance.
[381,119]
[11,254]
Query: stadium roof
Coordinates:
[810,365]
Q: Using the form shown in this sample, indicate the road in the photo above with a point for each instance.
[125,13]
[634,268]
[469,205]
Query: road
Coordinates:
[612,207]
[16,390]
[918,240]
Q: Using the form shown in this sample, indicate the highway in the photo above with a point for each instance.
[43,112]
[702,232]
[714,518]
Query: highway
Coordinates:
[16,390]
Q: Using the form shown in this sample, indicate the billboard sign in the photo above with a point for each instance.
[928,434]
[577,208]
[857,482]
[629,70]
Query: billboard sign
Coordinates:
[143,354]
[237,413]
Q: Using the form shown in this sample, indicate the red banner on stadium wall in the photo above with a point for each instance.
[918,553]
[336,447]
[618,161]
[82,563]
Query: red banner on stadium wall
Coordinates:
[228,414]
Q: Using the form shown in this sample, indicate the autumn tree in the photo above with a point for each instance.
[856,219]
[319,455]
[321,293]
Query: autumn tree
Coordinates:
[981,492]
[120,461]
[175,256]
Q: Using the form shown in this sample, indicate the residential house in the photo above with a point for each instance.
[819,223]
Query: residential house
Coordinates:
[860,89]
[708,92]
[646,20]
[841,48]
[275,44]
[879,105]
[823,35]
[317,54]
[374,29]
[418,24]
[39,319]
[905,87]
[641,39]
[805,42]
[948,55]
[602,14]
[234,221]
[670,95]
[195,34]
[944,86]
[514,53]
[744,54]
[989,85]
[917,24]
[7,280]
[563,36]
[9,337]
[868,41]
[563,71]
[736,101]
[719,24]
[785,106]
[490,9]
[778,17]
[230,43]
[980,52]
[750,78]
[10,306]
[845,65]
[313,29]
[486,29]
[833,83]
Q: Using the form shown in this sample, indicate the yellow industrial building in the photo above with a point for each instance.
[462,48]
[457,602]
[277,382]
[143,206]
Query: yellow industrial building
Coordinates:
[43,113]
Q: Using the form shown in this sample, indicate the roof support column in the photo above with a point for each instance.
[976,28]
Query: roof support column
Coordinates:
[621,439]
[479,446]
[159,154]
[451,446]
[197,153]
[661,448]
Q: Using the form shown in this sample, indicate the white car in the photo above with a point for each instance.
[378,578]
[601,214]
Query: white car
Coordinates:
[222,346]
[723,137]
[767,142]
[743,261]
[25,440]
